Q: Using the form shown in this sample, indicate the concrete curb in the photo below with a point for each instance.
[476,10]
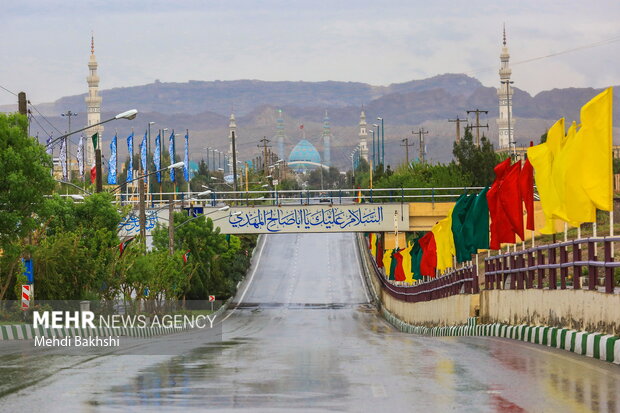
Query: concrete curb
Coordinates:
[595,345]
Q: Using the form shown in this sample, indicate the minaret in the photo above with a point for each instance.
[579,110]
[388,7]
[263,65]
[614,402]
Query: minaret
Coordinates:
[93,104]
[232,127]
[363,145]
[327,140]
[280,136]
[505,92]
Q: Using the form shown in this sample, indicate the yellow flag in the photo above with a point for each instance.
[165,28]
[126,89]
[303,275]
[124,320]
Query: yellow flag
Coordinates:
[596,134]
[406,253]
[387,261]
[541,157]
[373,244]
[444,241]
[576,204]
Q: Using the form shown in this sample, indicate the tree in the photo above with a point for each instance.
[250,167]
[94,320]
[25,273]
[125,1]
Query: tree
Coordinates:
[24,179]
[201,177]
[477,162]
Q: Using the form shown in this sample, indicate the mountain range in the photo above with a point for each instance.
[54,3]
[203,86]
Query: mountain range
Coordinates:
[203,107]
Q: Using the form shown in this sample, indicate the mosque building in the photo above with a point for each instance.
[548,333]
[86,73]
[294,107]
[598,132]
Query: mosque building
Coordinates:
[506,121]
[93,104]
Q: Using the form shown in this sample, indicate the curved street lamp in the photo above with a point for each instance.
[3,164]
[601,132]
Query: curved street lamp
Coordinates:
[129,115]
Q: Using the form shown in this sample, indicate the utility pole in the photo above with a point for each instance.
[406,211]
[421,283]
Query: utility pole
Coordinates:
[478,125]
[234,161]
[265,141]
[22,106]
[98,177]
[406,145]
[458,127]
[171,227]
[141,202]
[68,115]
[421,132]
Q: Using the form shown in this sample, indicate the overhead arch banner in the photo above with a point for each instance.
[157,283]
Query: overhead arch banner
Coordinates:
[312,218]
[286,219]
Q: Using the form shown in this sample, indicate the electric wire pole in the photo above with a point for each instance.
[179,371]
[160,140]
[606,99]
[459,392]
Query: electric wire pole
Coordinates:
[406,145]
[68,115]
[265,141]
[478,125]
[421,132]
[458,127]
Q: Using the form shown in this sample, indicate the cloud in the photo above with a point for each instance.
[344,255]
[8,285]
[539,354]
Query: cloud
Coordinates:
[140,41]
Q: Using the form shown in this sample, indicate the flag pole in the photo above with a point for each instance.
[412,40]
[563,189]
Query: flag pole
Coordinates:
[565,231]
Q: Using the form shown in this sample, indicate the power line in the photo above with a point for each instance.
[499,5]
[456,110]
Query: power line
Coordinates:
[12,93]
[554,54]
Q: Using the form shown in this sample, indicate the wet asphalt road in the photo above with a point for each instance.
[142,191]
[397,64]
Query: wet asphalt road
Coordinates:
[303,337]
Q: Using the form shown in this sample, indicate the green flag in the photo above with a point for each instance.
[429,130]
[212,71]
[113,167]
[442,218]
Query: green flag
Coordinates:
[95,139]
[416,258]
[393,264]
[461,208]
[476,225]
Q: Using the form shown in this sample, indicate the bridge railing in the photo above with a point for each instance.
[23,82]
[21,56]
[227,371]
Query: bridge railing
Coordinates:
[463,280]
[576,264]
[306,196]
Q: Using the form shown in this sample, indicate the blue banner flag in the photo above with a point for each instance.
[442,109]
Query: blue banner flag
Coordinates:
[171,152]
[186,158]
[157,157]
[28,270]
[143,155]
[112,162]
[130,151]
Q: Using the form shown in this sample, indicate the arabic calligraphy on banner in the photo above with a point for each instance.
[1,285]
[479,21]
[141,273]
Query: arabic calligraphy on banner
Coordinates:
[286,219]
[313,218]
[130,225]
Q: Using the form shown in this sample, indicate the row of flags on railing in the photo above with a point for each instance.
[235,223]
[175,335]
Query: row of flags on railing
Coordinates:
[574,177]
[112,178]
[574,171]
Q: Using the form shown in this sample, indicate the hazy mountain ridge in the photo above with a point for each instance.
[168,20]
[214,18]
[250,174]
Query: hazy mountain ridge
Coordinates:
[203,107]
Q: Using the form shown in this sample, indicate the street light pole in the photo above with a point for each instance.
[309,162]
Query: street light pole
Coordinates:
[234,161]
[373,146]
[129,115]
[382,144]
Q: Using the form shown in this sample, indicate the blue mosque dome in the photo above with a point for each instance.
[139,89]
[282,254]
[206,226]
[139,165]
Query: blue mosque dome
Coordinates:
[303,152]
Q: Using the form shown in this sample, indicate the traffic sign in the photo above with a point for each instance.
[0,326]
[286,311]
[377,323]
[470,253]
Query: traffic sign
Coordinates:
[26,294]
[211,298]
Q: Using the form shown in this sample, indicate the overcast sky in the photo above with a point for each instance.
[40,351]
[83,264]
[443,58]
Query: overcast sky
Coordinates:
[46,44]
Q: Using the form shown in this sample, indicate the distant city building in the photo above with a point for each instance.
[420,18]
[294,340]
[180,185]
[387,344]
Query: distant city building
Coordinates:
[505,92]
[280,137]
[327,140]
[363,135]
[304,157]
[93,106]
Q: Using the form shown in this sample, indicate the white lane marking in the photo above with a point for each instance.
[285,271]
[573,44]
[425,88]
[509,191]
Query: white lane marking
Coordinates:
[359,267]
[260,253]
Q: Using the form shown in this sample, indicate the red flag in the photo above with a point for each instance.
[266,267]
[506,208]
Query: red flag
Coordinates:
[500,226]
[526,188]
[428,264]
[399,273]
[510,199]
[379,257]
[123,245]
[93,174]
